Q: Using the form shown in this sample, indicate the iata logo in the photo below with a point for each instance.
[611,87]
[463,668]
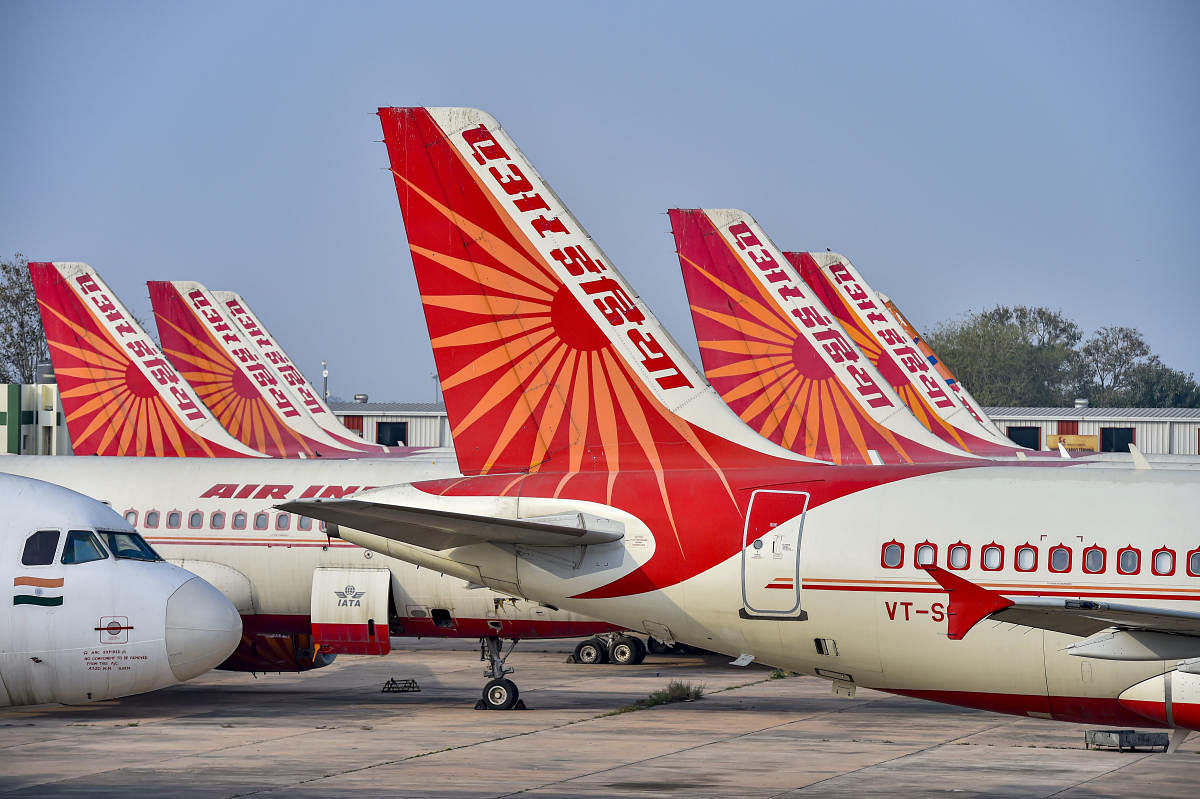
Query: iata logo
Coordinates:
[349,598]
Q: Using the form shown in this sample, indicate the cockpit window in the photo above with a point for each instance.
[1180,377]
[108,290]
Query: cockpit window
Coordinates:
[82,547]
[39,548]
[129,546]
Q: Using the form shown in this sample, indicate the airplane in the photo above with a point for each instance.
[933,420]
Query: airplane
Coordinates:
[778,356]
[213,515]
[95,613]
[1062,592]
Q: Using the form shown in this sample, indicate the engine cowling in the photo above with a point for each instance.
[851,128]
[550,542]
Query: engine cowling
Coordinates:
[1171,699]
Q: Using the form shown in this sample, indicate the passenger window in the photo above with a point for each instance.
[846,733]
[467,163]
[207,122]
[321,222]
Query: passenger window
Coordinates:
[1162,562]
[239,521]
[1026,558]
[993,557]
[1093,559]
[926,554]
[82,547]
[959,556]
[131,517]
[893,555]
[39,548]
[283,521]
[1060,559]
[151,519]
[195,520]
[217,520]
[323,527]
[174,519]
[1129,561]
[1193,563]
[303,523]
[261,521]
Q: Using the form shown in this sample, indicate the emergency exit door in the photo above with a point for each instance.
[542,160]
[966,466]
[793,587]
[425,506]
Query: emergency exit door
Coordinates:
[771,554]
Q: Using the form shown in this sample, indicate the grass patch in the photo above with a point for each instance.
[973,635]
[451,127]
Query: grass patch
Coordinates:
[676,691]
[780,674]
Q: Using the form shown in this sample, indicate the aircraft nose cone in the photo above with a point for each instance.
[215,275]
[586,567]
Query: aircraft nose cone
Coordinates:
[203,628]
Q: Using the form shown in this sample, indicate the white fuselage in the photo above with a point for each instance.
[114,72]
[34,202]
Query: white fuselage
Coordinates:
[864,623]
[85,622]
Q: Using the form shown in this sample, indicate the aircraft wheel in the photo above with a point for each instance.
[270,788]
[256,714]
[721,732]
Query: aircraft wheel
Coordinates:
[625,650]
[591,651]
[500,694]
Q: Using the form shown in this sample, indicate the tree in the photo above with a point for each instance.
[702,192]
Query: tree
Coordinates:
[1011,356]
[1106,363]
[1155,385]
[22,340]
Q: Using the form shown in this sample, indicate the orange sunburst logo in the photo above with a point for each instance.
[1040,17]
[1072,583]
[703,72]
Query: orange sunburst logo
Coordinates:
[236,401]
[762,365]
[120,397]
[870,345]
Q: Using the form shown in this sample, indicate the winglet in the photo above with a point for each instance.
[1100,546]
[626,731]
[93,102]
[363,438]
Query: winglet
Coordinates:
[969,603]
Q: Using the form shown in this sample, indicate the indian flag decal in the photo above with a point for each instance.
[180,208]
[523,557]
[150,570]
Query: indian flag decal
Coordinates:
[33,591]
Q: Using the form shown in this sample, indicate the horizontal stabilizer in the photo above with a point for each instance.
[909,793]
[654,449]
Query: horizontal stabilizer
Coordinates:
[439,530]
[971,603]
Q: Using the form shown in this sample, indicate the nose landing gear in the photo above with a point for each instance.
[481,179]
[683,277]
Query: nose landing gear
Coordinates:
[500,693]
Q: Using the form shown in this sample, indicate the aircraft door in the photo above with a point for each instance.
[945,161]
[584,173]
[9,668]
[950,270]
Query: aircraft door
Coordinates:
[771,554]
[350,610]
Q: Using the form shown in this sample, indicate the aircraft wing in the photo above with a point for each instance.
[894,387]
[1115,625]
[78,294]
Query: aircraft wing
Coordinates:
[1086,617]
[439,530]
[971,603]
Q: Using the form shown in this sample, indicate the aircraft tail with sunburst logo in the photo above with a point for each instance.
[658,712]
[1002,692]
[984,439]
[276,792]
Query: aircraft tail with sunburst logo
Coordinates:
[779,357]
[960,391]
[255,333]
[120,395]
[549,361]
[231,379]
[863,316]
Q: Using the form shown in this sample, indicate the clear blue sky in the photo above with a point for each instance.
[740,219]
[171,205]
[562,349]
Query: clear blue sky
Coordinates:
[961,154]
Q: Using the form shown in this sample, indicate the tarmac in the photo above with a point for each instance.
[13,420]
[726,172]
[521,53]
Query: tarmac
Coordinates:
[333,733]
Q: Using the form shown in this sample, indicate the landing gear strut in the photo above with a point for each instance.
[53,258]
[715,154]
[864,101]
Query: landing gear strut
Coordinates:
[500,693]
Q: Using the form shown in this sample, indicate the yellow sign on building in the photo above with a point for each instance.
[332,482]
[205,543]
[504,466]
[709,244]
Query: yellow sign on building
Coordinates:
[1074,443]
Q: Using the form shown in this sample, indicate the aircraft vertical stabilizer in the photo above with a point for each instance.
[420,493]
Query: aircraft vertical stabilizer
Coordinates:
[960,390]
[286,374]
[779,357]
[231,379]
[548,359]
[863,316]
[119,394]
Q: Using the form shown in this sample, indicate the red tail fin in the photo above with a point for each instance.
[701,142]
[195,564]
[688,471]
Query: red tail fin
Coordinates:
[776,355]
[230,379]
[286,374]
[862,315]
[944,372]
[120,395]
[548,359]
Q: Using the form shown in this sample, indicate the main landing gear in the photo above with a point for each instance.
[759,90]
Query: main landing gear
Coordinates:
[618,648]
[500,693]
